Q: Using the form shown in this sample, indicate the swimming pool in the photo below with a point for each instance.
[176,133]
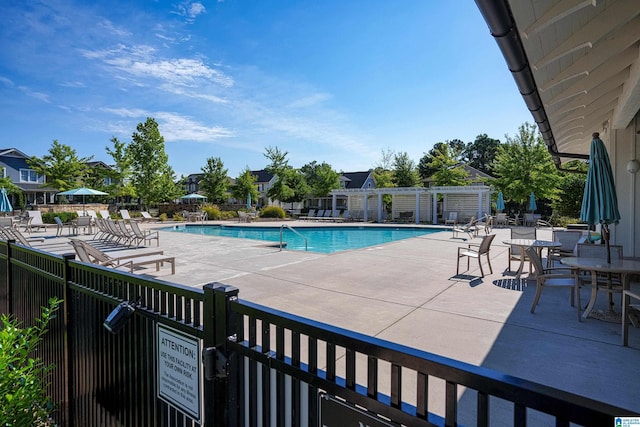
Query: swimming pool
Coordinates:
[319,239]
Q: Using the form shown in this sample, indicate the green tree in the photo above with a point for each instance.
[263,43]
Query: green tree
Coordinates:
[445,161]
[321,178]
[523,165]
[245,185]
[279,166]
[215,181]
[383,175]
[571,189]
[455,146]
[62,167]
[152,176]
[405,172]
[296,183]
[120,186]
[481,153]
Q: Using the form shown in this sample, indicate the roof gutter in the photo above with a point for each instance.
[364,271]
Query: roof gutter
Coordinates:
[497,14]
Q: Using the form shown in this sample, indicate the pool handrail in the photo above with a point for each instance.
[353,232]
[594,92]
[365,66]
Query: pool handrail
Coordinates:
[282,227]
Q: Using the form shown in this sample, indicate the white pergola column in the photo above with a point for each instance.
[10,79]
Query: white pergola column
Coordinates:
[334,201]
[435,208]
[365,207]
[379,207]
[417,216]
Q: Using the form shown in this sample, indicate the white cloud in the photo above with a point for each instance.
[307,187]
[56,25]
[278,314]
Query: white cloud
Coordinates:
[111,28]
[190,10]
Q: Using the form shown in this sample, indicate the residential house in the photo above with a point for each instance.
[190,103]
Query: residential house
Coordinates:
[474,177]
[264,181]
[14,166]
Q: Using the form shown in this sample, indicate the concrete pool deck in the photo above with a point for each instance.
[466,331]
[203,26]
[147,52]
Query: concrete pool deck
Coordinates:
[407,292]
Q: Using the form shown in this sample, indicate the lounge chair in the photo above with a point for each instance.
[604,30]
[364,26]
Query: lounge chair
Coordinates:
[144,236]
[310,215]
[84,223]
[476,250]
[9,233]
[131,260]
[105,214]
[146,216]
[468,228]
[125,215]
[36,222]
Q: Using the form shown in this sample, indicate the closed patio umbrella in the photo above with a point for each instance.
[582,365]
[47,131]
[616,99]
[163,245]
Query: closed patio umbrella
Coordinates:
[600,202]
[532,202]
[500,202]
[5,204]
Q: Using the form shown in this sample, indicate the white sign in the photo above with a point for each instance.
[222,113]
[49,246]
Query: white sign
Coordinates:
[179,370]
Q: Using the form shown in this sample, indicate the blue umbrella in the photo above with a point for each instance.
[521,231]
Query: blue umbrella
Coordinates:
[600,202]
[5,204]
[249,200]
[532,202]
[500,202]
[83,191]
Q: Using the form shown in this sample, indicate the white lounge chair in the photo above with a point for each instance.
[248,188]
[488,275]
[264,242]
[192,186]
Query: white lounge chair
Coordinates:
[469,228]
[131,261]
[146,216]
[36,222]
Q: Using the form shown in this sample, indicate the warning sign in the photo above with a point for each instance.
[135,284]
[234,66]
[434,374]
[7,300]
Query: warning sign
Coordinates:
[179,370]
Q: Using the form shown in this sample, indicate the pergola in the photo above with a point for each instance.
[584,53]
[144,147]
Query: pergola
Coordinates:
[470,200]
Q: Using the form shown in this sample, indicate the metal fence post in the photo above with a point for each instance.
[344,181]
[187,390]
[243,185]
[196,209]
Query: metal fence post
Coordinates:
[221,384]
[69,339]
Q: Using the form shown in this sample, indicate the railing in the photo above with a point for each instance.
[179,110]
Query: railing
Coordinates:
[283,226]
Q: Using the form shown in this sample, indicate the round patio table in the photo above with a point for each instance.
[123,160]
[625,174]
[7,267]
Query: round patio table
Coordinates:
[525,243]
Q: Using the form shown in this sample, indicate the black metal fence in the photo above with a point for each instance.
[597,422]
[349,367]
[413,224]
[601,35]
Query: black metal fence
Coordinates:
[255,366]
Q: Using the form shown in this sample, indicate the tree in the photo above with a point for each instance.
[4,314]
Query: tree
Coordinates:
[62,167]
[457,147]
[571,189]
[481,153]
[405,172]
[321,178]
[446,164]
[152,176]
[523,165]
[245,185]
[278,166]
[298,189]
[120,186]
[214,181]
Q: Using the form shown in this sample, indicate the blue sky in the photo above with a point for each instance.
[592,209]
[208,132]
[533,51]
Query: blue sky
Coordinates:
[330,81]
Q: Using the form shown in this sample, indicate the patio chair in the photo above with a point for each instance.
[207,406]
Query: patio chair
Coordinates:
[515,251]
[131,261]
[501,219]
[468,228]
[476,250]
[550,277]
[569,239]
[84,223]
[61,226]
[529,220]
[452,219]
[105,214]
[630,310]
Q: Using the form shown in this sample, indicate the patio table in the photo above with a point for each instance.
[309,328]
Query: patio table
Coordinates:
[525,243]
[624,267]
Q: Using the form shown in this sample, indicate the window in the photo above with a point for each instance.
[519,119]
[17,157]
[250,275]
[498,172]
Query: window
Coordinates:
[3,172]
[28,175]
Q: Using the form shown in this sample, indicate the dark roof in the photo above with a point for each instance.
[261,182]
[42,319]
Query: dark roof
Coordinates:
[475,173]
[355,179]
[262,175]
[13,152]
[34,188]
[98,163]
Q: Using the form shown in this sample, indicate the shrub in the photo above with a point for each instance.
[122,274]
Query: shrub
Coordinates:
[163,217]
[48,217]
[213,212]
[177,217]
[273,212]
[228,214]
[562,221]
[23,397]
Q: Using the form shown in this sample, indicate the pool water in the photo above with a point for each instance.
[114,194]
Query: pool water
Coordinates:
[319,239]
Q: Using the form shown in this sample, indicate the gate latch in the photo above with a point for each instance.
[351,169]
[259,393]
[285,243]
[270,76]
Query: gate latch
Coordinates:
[216,364]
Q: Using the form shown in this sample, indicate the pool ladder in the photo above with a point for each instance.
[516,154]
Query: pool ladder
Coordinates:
[283,226]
